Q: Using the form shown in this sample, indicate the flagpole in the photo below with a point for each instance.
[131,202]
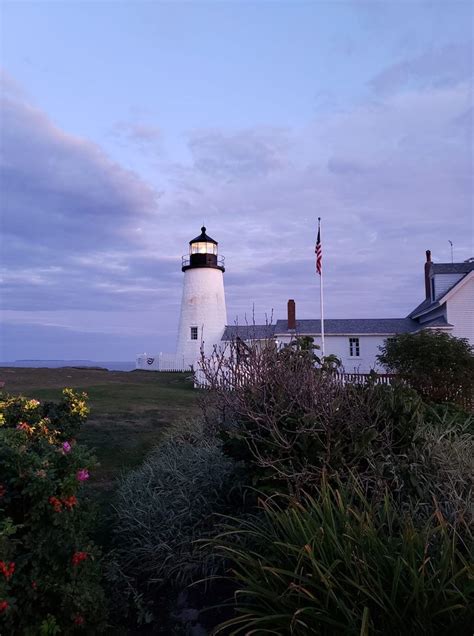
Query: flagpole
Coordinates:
[321,296]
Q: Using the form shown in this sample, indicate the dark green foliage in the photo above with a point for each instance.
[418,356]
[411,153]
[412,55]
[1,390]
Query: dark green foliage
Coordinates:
[374,537]
[439,366]
[337,564]
[51,570]
[303,350]
[295,424]
[290,440]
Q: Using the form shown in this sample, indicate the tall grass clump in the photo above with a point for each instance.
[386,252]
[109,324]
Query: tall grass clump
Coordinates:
[335,563]
[163,508]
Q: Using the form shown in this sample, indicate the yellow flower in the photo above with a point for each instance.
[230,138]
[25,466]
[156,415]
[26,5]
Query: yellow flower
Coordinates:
[30,405]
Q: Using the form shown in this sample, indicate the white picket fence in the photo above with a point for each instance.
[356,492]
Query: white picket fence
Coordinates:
[366,378]
[225,379]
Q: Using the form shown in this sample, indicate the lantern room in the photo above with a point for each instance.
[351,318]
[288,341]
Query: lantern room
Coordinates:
[203,253]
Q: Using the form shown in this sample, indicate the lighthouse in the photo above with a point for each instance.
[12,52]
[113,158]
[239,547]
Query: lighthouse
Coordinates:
[203,311]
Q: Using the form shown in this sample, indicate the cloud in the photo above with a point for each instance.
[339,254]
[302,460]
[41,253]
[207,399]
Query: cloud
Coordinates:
[344,166]
[71,221]
[437,67]
[95,280]
[62,188]
[9,86]
[88,243]
[389,177]
[244,154]
[145,137]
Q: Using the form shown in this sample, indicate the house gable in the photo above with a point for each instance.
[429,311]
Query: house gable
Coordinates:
[460,308]
[442,279]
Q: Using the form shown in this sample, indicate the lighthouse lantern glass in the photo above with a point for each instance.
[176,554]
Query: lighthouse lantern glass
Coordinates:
[203,248]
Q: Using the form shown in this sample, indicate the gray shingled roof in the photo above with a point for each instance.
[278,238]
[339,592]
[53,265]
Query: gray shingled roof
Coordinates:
[423,306]
[436,322]
[343,326]
[332,327]
[248,332]
[452,268]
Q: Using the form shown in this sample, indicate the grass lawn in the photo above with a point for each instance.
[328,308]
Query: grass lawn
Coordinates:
[129,410]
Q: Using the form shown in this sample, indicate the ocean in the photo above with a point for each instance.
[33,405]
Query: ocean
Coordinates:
[111,365]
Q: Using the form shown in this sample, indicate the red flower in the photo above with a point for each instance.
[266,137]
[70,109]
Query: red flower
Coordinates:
[7,570]
[23,426]
[56,503]
[78,619]
[3,490]
[77,557]
[3,606]
[70,502]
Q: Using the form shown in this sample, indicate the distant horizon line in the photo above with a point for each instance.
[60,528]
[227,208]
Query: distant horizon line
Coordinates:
[62,360]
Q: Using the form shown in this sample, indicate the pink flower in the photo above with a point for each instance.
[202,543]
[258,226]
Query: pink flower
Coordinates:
[67,447]
[82,474]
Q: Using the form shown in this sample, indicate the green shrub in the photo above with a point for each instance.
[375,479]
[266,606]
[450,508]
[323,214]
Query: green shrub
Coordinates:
[290,440]
[164,507]
[338,564]
[293,423]
[49,567]
[439,366]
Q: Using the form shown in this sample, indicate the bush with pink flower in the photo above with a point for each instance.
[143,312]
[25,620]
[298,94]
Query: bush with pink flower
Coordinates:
[50,570]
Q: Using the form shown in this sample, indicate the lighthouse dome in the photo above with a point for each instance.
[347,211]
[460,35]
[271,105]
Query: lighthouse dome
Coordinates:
[203,237]
[203,244]
[202,253]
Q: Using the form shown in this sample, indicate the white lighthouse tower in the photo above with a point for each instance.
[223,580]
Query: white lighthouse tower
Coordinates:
[203,312]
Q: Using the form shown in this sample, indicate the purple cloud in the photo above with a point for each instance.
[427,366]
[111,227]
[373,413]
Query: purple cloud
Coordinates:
[71,221]
[246,153]
[145,137]
[64,188]
[88,247]
[437,67]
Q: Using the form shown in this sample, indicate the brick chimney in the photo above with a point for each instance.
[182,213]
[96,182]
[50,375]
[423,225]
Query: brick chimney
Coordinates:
[427,274]
[291,314]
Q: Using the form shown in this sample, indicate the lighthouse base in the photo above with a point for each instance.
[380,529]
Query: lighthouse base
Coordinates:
[164,362]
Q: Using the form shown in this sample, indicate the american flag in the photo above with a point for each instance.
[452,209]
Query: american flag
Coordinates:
[319,252]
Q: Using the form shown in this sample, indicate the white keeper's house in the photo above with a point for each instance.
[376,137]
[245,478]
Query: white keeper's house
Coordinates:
[448,306]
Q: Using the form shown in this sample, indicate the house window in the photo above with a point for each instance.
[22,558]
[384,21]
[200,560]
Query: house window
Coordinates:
[354,347]
[194,333]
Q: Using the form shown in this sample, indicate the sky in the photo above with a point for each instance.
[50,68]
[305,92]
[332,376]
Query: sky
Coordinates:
[124,126]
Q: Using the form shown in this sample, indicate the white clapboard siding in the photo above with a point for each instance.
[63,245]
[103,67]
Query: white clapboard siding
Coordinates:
[460,309]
